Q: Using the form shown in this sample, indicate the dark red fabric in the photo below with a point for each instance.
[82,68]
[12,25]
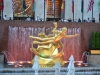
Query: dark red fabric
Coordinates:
[1,5]
[72,6]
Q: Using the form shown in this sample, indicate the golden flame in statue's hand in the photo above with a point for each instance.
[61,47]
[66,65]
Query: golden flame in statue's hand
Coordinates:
[55,24]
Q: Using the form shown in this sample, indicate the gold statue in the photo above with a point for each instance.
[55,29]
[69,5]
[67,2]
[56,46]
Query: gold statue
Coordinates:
[47,46]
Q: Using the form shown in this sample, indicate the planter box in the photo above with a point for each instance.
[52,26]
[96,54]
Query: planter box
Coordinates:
[1,60]
[95,51]
[93,60]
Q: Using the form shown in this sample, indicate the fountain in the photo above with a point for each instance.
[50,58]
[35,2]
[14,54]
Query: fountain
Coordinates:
[19,45]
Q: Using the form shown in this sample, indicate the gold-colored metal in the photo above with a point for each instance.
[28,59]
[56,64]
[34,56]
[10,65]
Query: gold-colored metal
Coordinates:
[47,46]
[95,51]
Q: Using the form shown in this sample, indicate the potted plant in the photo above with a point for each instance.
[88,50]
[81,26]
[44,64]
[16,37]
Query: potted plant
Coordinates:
[95,43]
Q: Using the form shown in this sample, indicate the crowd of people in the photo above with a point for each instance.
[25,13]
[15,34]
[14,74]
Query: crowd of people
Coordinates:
[61,20]
[79,20]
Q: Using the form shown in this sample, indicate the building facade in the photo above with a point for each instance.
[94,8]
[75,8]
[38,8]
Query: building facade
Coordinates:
[47,11]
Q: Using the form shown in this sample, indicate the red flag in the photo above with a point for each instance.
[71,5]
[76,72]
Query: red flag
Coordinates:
[1,5]
[91,2]
[72,6]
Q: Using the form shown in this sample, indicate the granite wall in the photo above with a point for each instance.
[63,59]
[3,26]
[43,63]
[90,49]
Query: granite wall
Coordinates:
[86,28]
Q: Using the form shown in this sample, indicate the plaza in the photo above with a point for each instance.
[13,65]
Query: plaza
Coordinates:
[18,50]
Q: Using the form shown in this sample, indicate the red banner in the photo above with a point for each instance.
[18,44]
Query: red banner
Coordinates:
[72,6]
[1,5]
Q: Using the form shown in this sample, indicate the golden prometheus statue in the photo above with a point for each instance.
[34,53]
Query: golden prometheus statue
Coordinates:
[48,45]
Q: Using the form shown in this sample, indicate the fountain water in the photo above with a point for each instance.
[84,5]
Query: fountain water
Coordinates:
[19,43]
[6,53]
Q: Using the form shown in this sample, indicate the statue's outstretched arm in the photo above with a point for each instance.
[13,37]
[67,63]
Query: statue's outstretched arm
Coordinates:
[43,42]
[71,36]
[42,39]
[33,37]
[46,39]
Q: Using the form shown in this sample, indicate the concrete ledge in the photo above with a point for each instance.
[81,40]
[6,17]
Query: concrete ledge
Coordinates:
[1,60]
[93,60]
[50,71]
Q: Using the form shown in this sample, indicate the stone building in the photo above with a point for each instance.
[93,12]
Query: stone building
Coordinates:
[49,12]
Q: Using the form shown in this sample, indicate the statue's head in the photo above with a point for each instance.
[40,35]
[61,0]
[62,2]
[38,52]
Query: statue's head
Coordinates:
[64,29]
[41,34]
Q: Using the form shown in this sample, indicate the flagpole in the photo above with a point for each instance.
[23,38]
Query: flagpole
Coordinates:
[92,11]
[54,9]
[44,10]
[82,9]
[73,16]
[33,8]
[22,11]
[13,8]
[82,16]
[64,11]
[13,15]
[2,15]
[23,8]
[2,11]
[73,9]
[34,16]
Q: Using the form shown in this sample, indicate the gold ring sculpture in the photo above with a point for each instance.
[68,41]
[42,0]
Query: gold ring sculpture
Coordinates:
[48,45]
